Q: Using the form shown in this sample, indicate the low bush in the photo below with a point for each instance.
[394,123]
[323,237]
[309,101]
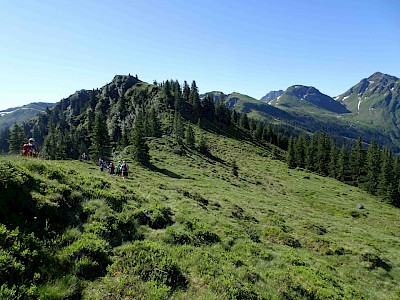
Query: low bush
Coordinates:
[150,262]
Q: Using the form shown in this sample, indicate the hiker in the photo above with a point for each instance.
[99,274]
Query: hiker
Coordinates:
[101,164]
[124,170]
[84,156]
[111,168]
[29,149]
[118,169]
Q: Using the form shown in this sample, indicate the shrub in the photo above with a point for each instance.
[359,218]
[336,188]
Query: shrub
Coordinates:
[277,236]
[156,217]
[150,262]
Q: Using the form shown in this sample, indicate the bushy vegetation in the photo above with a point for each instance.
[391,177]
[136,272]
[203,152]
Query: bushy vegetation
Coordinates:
[187,227]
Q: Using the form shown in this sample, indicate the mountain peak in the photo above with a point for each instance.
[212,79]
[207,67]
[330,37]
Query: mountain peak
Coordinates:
[378,76]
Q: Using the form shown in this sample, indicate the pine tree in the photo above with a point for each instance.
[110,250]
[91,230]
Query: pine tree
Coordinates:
[300,150]
[386,186]
[372,168]
[140,149]
[357,160]
[290,153]
[185,91]
[17,139]
[153,124]
[190,139]
[333,162]
[341,165]
[234,117]
[311,154]
[100,147]
[194,98]
[244,121]
[178,129]
[203,145]
[323,150]
[257,133]
[4,136]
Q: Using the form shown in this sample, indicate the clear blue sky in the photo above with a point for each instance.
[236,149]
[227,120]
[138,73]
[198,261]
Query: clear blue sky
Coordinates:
[50,49]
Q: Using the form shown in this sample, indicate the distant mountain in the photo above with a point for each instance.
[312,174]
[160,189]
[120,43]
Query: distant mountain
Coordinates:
[308,99]
[271,95]
[20,114]
[375,100]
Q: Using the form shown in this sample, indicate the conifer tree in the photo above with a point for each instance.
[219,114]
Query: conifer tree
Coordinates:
[323,150]
[203,145]
[257,133]
[341,165]
[153,124]
[190,139]
[100,147]
[234,117]
[244,121]
[194,98]
[372,168]
[178,129]
[17,139]
[290,153]
[140,149]
[185,91]
[311,154]
[4,137]
[333,161]
[386,186]
[209,109]
[357,160]
[300,150]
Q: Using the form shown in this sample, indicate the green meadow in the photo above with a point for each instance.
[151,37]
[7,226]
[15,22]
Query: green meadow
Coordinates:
[188,227]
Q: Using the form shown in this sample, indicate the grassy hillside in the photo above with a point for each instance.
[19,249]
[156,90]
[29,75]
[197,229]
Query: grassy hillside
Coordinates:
[188,228]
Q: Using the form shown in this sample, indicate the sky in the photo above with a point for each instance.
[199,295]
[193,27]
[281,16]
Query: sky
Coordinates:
[50,49]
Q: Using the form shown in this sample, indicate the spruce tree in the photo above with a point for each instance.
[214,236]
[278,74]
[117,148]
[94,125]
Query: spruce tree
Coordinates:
[357,160]
[300,150]
[372,168]
[290,153]
[140,149]
[234,117]
[203,145]
[17,139]
[100,147]
[153,124]
[190,140]
[257,133]
[178,129]
[333,161]
[342,165]
[311,154]
[386,186]
[244,121]
[194,98]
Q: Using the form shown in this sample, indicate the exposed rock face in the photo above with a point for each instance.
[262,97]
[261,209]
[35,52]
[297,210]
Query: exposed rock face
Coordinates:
[271,95]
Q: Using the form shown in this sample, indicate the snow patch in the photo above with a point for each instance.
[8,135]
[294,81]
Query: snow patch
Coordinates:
[337,97]
[371,81]
[358,106]
[279,97]
[344,98]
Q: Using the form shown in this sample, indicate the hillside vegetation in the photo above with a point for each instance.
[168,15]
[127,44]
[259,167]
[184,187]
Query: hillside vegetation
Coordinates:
[188,227]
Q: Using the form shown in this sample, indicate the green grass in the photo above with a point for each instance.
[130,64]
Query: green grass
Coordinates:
[188,228]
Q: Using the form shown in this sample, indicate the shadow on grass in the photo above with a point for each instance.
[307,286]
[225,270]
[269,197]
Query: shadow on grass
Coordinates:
[169,173]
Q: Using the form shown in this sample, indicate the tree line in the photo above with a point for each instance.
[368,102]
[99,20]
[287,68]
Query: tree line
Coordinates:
[371,167]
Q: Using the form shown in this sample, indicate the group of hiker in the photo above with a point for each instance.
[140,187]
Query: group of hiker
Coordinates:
[121,169]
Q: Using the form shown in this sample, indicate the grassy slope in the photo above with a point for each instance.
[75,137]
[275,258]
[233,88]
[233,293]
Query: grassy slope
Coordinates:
[282,234]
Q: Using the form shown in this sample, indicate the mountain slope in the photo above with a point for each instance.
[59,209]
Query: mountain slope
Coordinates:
[308,99]
[20,114]
[374,100]
[270,233]
[271,95]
